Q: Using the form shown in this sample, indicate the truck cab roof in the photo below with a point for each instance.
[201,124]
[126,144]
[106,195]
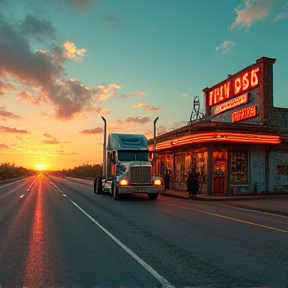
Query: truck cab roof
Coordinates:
[121,141]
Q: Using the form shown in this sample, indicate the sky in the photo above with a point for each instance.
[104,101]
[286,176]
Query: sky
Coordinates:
[66,63]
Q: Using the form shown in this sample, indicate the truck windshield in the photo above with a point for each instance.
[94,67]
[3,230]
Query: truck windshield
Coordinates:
[133,155]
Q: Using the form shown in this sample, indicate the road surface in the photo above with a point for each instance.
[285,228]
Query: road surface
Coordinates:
[58,233]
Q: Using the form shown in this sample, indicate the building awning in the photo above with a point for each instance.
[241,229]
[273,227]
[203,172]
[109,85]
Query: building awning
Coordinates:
[223,137]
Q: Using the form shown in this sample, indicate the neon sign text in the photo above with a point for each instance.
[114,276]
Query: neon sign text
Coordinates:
[234,86]
[245,113]
[237,101]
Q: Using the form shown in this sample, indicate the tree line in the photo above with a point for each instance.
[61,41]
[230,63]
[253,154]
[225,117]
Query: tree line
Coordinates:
[85,171]
[10,171]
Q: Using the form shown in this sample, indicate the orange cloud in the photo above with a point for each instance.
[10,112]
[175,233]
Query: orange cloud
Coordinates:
[102,111]
[27,97]
[135,93]
[148,107]
[8,114]
[5,129]
[72,52]
[4,86]
[4,146]
[97,130]
[140,120]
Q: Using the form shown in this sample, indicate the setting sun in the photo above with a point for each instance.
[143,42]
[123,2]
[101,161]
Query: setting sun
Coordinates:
[40,167]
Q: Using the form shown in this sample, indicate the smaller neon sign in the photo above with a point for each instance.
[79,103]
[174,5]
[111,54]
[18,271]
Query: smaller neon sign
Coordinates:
[231,104]
[245,113]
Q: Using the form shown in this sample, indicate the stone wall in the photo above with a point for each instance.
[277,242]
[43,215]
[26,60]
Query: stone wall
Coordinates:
[257,168]
[278,171]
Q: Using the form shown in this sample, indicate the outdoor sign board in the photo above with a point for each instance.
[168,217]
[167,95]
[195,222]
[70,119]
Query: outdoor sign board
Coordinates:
[236,98]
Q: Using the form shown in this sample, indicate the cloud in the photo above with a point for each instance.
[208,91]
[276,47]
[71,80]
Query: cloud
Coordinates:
[105,91]
[140,120]
[82,4]
[111,21]
[40,29]
[225,46]
[49,139]
[4,146]
[131,120]
[4,87]
[50,142]
[135,93]
[8,114]
[255,10]
[162,129]
[72,52]
[280,16]
[67,153]
[40,74]
[148,107]
[27,97]
[102,111]
[97,130]
[5,129]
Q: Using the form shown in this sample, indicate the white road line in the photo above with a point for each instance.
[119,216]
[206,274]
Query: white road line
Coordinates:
[10,184]
[165,283]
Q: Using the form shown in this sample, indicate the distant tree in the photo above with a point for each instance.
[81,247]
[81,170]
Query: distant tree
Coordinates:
[86,171]
[10,171]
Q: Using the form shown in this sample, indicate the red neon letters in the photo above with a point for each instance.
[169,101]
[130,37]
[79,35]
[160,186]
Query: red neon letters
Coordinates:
[245,113]
[234,86]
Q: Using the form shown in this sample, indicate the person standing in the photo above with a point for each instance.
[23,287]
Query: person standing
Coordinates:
[193,183]
[167,181]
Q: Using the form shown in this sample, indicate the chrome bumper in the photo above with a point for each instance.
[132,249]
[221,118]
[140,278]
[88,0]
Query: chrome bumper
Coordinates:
[140,189]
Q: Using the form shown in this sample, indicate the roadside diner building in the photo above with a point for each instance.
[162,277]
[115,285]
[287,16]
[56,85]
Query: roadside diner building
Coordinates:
[239,147]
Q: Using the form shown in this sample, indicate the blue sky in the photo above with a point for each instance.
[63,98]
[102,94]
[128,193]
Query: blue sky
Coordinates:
[66,63]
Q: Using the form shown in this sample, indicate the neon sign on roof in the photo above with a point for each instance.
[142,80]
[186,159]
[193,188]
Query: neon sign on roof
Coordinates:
[235,85]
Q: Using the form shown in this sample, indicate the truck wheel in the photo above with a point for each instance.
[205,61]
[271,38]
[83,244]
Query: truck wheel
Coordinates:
[95,184]
[98,185]
[114,191]
[152,196]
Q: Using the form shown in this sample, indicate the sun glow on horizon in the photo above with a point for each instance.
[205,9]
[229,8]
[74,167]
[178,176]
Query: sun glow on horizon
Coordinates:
[41,167]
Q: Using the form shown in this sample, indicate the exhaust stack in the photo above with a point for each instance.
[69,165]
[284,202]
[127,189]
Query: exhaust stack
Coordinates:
[104,148]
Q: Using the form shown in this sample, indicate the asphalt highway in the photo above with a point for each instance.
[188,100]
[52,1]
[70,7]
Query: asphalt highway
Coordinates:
[58,233]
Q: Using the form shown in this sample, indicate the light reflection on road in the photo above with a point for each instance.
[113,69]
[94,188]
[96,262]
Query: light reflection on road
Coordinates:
[38,259]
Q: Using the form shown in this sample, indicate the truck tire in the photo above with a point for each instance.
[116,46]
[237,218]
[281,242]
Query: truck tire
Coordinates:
[153,196]
[98,185]
[114,191]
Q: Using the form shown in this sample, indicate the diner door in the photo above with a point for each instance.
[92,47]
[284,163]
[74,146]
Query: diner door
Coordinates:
[219,175]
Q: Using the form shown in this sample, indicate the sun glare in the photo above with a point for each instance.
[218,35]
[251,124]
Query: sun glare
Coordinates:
[41,167]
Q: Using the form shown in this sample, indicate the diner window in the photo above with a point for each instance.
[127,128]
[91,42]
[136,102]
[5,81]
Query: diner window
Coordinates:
[239,164]
[179,168]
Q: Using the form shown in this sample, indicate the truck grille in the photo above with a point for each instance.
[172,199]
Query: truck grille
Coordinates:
[140,175]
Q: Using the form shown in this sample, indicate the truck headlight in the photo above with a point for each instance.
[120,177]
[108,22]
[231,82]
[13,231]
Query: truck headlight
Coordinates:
[123,182]
[157,182]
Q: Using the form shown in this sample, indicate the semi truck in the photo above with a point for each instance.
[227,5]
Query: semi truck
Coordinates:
[126,167]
